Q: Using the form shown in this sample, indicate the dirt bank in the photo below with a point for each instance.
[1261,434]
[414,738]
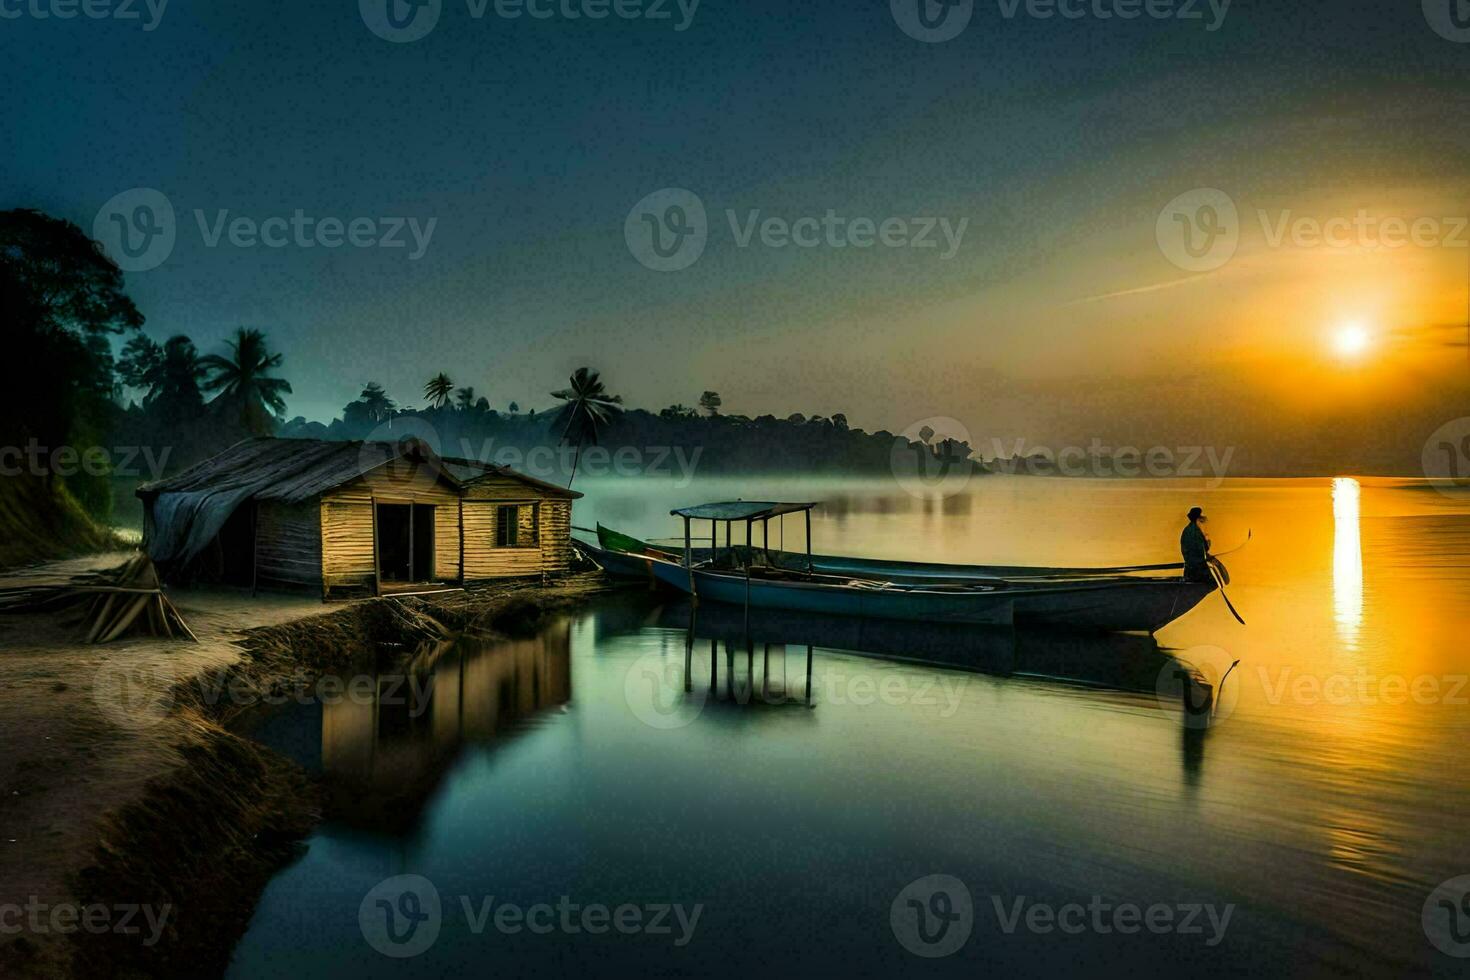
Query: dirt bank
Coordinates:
[123,786]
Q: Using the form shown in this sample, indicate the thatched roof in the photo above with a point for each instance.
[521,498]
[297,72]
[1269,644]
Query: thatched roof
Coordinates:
[189,509]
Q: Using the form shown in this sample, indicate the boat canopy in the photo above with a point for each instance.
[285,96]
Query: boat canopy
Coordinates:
[740,510]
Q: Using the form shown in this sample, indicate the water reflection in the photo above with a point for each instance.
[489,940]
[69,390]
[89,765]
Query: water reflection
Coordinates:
[384,745]
[765,658]
[1347,561]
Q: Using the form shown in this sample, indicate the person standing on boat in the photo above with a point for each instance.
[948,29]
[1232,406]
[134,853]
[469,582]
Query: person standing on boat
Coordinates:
[1195,546]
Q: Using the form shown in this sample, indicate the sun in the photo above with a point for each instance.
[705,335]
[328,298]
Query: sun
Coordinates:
[1351,340]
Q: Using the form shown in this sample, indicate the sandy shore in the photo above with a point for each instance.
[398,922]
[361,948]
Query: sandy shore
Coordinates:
[108,748]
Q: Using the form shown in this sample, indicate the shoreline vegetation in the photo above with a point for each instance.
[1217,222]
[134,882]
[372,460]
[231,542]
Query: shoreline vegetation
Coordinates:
[173,807]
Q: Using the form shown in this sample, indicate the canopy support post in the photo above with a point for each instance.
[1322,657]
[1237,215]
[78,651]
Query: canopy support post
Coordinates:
[689,560]
[808,514]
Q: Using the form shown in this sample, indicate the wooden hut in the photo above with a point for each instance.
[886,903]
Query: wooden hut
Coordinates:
[353,518]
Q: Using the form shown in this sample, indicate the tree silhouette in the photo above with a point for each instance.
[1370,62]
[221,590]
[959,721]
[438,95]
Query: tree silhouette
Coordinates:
[61,301]
[710,402]
[438,389]
[172,375]
[588,408]
[247,392]
[464,398]
[377,406]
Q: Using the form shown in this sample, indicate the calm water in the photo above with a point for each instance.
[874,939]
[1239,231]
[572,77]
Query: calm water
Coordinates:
[1326,803]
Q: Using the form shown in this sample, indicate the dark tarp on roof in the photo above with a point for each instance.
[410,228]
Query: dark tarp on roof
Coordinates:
[189,509]
[740,510]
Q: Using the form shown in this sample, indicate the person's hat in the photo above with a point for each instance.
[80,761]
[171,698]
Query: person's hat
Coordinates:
[1195,513]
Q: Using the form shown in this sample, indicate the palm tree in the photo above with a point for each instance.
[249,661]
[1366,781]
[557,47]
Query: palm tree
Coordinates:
[588,408]
[245,387]
[377,405]
[438,390]
[465,398]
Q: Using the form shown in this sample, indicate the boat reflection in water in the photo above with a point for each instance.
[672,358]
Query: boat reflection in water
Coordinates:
[750,664]
[384,740]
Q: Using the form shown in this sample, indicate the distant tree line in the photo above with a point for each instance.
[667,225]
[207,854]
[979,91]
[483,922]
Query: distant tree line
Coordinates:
[83,375]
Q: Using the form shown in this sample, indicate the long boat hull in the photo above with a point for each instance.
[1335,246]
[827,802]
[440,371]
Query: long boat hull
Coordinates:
[869,568]
[1121,604]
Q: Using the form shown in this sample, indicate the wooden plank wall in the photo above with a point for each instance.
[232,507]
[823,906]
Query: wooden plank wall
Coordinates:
[542,519]
[288,548]
[347,543]
[347,521]
[556,535]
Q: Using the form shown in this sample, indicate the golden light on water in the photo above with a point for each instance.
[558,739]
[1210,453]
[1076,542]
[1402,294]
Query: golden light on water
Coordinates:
[1347,560]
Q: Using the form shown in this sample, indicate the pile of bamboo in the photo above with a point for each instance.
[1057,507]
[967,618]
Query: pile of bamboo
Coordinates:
[126,600]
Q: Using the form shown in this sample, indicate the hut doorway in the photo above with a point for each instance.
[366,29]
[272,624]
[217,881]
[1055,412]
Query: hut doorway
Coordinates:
[405,542]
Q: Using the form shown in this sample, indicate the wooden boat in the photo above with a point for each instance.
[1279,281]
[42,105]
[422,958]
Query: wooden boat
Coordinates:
[1122,604]
[1093,598]
[618,543]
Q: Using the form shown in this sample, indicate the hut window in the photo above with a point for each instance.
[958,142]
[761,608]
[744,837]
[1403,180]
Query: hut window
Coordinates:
[506,525]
